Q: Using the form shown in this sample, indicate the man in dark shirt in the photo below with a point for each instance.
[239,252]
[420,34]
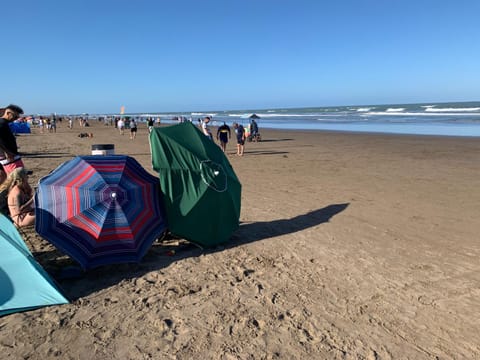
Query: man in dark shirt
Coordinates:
[223,134]
[240,131]
[253,128]
[8,143]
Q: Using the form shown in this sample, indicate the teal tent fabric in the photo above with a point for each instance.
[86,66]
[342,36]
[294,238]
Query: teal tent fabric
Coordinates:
[24,284]
[202,194]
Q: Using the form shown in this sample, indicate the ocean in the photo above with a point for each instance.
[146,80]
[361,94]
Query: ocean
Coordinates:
[447,119]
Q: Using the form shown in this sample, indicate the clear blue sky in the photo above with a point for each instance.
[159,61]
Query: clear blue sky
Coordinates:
[72,56]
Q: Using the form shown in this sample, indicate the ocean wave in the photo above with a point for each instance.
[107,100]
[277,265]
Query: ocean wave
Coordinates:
[272,115]
[432,109]
[380,113]
[363,109]
[390,110]
[202,114]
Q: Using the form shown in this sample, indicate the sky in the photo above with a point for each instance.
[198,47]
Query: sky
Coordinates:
[94,56]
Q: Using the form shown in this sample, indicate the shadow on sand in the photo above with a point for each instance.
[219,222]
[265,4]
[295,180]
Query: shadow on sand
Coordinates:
[162,254]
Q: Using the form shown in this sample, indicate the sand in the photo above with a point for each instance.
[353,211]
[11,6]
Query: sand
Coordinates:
[351,246]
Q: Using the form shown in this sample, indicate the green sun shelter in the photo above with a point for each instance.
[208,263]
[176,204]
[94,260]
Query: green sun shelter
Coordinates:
[202,193]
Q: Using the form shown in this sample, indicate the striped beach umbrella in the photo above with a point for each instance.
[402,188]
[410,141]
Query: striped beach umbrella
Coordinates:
[100,209]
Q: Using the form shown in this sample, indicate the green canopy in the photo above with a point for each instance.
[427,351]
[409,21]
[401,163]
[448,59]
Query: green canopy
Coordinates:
[202,194]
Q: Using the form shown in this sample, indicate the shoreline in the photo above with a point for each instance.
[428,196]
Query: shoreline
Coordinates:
[353,132]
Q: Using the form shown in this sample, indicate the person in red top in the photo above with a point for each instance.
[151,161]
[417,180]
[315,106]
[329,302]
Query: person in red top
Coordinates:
[9,156]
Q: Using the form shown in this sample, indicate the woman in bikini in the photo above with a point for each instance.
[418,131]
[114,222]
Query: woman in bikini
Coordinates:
[19,198]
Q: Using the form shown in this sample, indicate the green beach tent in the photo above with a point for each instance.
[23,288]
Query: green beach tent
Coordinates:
[202,194]
[24,285]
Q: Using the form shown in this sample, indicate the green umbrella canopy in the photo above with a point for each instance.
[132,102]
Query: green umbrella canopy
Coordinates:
[202,194]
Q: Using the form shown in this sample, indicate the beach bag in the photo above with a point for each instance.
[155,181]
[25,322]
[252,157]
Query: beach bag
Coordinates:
[10,165]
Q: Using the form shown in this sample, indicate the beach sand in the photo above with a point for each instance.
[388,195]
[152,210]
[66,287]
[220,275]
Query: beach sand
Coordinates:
[351,246]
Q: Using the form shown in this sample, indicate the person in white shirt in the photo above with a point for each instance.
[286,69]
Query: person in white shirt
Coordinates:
[206,129]
[121,126]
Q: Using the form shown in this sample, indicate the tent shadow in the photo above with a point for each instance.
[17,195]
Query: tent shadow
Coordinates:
[7,288]
[161,255]
[255,231]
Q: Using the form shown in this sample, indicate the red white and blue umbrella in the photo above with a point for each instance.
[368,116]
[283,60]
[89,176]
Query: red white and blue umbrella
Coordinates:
[100,209]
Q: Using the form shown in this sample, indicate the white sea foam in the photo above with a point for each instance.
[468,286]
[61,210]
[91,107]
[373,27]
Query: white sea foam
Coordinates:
[271,115]
[432,109]
[202,114]
[389,110]
[379,113]
[364,109]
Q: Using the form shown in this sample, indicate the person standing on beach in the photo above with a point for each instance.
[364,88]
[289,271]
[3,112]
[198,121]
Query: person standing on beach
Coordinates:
[253,130]
[206,129]
[53,125]
[9,157]
[133,129]
[223,134]
[121,126]
[150,124]
[240,131]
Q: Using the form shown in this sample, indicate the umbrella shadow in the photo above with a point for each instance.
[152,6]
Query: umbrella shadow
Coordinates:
[161,255]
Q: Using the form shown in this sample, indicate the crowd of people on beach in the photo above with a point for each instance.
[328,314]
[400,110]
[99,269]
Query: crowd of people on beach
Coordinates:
[223,135]
[242,134]
[16,195]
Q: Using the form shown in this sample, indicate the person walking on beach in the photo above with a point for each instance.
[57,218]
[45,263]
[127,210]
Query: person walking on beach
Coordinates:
[53,125]
[150,124]
[133,129]
[9,157]
[240,132]
[121,126]
[206,129]
[223,134]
